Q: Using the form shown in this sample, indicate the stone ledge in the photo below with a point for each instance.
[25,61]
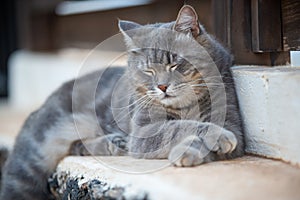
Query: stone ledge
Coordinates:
[243,178]
[270,109]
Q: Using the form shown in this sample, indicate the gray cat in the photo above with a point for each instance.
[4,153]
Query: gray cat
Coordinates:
[175,100]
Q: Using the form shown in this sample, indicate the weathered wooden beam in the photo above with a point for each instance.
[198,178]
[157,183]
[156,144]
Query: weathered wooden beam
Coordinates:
[233,27]
[266,25]
[222,20]
[291,24]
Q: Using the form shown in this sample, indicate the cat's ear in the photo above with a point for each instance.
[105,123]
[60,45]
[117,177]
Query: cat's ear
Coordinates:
[127,29]
[187,21]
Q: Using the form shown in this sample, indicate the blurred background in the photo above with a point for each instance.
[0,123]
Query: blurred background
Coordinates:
[257,32]
[43,42]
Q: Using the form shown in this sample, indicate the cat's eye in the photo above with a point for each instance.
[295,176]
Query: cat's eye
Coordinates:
[172,67]
[149,72]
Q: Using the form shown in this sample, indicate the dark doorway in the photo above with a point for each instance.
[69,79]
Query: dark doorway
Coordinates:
[7,41]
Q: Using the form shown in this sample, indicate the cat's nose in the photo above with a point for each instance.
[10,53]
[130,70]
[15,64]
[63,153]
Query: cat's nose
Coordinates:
[163,87]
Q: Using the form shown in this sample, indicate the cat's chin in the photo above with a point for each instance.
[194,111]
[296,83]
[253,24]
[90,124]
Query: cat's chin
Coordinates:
[177,102]
[169,100]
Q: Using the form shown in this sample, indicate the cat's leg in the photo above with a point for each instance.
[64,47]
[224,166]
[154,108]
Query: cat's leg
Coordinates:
[190,151]
[190,142]
[108,145]
[194,150]
[42,143]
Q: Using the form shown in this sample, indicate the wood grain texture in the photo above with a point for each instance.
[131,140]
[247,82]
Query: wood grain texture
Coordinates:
[291,24]
[266,25]
[232,26]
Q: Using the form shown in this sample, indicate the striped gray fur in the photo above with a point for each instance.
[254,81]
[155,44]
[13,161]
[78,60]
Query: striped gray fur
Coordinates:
[163,105]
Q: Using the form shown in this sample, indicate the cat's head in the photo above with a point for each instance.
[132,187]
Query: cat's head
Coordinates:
[168,62]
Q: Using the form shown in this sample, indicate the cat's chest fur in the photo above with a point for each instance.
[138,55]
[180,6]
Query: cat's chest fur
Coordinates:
[192,112]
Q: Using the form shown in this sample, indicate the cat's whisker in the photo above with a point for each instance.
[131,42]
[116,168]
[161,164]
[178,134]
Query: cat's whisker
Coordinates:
[128,112]
[206,79]
[207,85]
[133,103]
[135,109]
[127,96]
[144,105]
[151,92]
[148,103]
[180,87]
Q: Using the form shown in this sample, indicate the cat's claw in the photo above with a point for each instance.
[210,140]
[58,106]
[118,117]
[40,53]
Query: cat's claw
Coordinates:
[120,142]
[221,143]
[195,150]
[182,157]
[77,148]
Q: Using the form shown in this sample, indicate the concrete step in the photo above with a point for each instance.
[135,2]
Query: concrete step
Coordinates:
[244,178]
[269,99]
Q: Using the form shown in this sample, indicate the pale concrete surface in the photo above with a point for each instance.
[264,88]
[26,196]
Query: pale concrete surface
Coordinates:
[33,75]
[11,121]
[245,178]
[269,100]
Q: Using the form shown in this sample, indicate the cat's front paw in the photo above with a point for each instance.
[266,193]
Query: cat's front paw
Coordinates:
[118,144]
[182,156]
[188,153]
[77,148]
[221,142]
[195,150]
